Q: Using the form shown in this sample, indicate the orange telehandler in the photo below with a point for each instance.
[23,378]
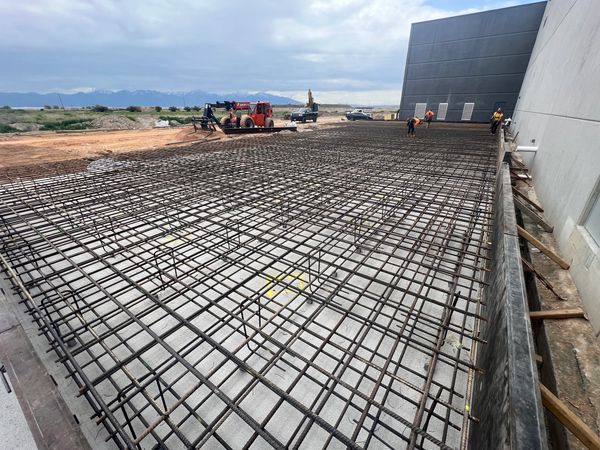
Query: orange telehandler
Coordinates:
[239,118]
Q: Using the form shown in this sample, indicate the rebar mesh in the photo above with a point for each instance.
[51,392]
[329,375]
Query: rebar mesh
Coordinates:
[317,290]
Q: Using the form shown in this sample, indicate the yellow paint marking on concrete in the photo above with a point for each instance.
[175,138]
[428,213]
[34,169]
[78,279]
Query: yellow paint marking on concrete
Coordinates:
[173,241]
[272,281]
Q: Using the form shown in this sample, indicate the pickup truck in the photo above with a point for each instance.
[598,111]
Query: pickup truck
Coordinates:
[359,114]
[304,114]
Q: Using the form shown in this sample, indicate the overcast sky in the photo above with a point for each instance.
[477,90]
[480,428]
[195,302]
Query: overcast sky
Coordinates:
[347,51]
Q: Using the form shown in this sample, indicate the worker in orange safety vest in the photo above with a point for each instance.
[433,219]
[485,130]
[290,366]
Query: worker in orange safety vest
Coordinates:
[429,117]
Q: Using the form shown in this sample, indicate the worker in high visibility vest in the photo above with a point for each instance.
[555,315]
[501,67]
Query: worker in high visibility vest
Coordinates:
[412,123]
[496,120]
[429,117]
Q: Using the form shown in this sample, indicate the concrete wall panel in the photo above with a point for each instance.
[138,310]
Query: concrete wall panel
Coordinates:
[520,43]
[492,65]
[500,84]
[479,58]
[488,23]
[558,112]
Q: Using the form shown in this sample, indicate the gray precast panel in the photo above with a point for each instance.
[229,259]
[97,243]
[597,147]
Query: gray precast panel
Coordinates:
[476,58]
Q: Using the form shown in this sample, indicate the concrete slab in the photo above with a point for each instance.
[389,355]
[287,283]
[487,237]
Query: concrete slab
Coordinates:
[14,431]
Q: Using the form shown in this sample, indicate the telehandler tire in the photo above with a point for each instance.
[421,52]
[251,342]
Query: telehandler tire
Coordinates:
[246,121]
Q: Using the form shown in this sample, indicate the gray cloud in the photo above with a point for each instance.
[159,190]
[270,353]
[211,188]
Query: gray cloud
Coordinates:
[263,45]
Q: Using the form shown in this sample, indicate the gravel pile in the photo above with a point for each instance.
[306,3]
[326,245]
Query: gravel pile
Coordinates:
[146,121]
[107,165]
[116,123]
[22,126]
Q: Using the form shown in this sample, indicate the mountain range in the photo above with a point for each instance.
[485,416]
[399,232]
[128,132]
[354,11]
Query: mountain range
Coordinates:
[125,98]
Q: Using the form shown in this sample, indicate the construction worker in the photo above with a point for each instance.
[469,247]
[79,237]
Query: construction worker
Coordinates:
[412,123]
[496,120]
[429,117]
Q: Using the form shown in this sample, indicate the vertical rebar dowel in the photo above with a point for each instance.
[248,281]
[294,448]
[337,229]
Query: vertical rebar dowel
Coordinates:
[158,269]
[357,224]
[32,257]
[121,396]
[311,278]
[284,211]
[99,236]
[233,227]
[66,296]
[174,263]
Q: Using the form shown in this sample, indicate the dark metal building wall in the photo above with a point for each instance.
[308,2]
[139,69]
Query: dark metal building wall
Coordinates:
[476,58]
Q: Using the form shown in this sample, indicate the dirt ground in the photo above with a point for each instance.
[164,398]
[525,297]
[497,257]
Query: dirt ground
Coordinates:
[33,148]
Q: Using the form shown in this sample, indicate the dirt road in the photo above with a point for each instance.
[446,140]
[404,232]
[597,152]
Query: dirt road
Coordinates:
[51,147]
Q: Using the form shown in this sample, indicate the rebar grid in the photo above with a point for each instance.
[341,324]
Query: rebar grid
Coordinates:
[293,291]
